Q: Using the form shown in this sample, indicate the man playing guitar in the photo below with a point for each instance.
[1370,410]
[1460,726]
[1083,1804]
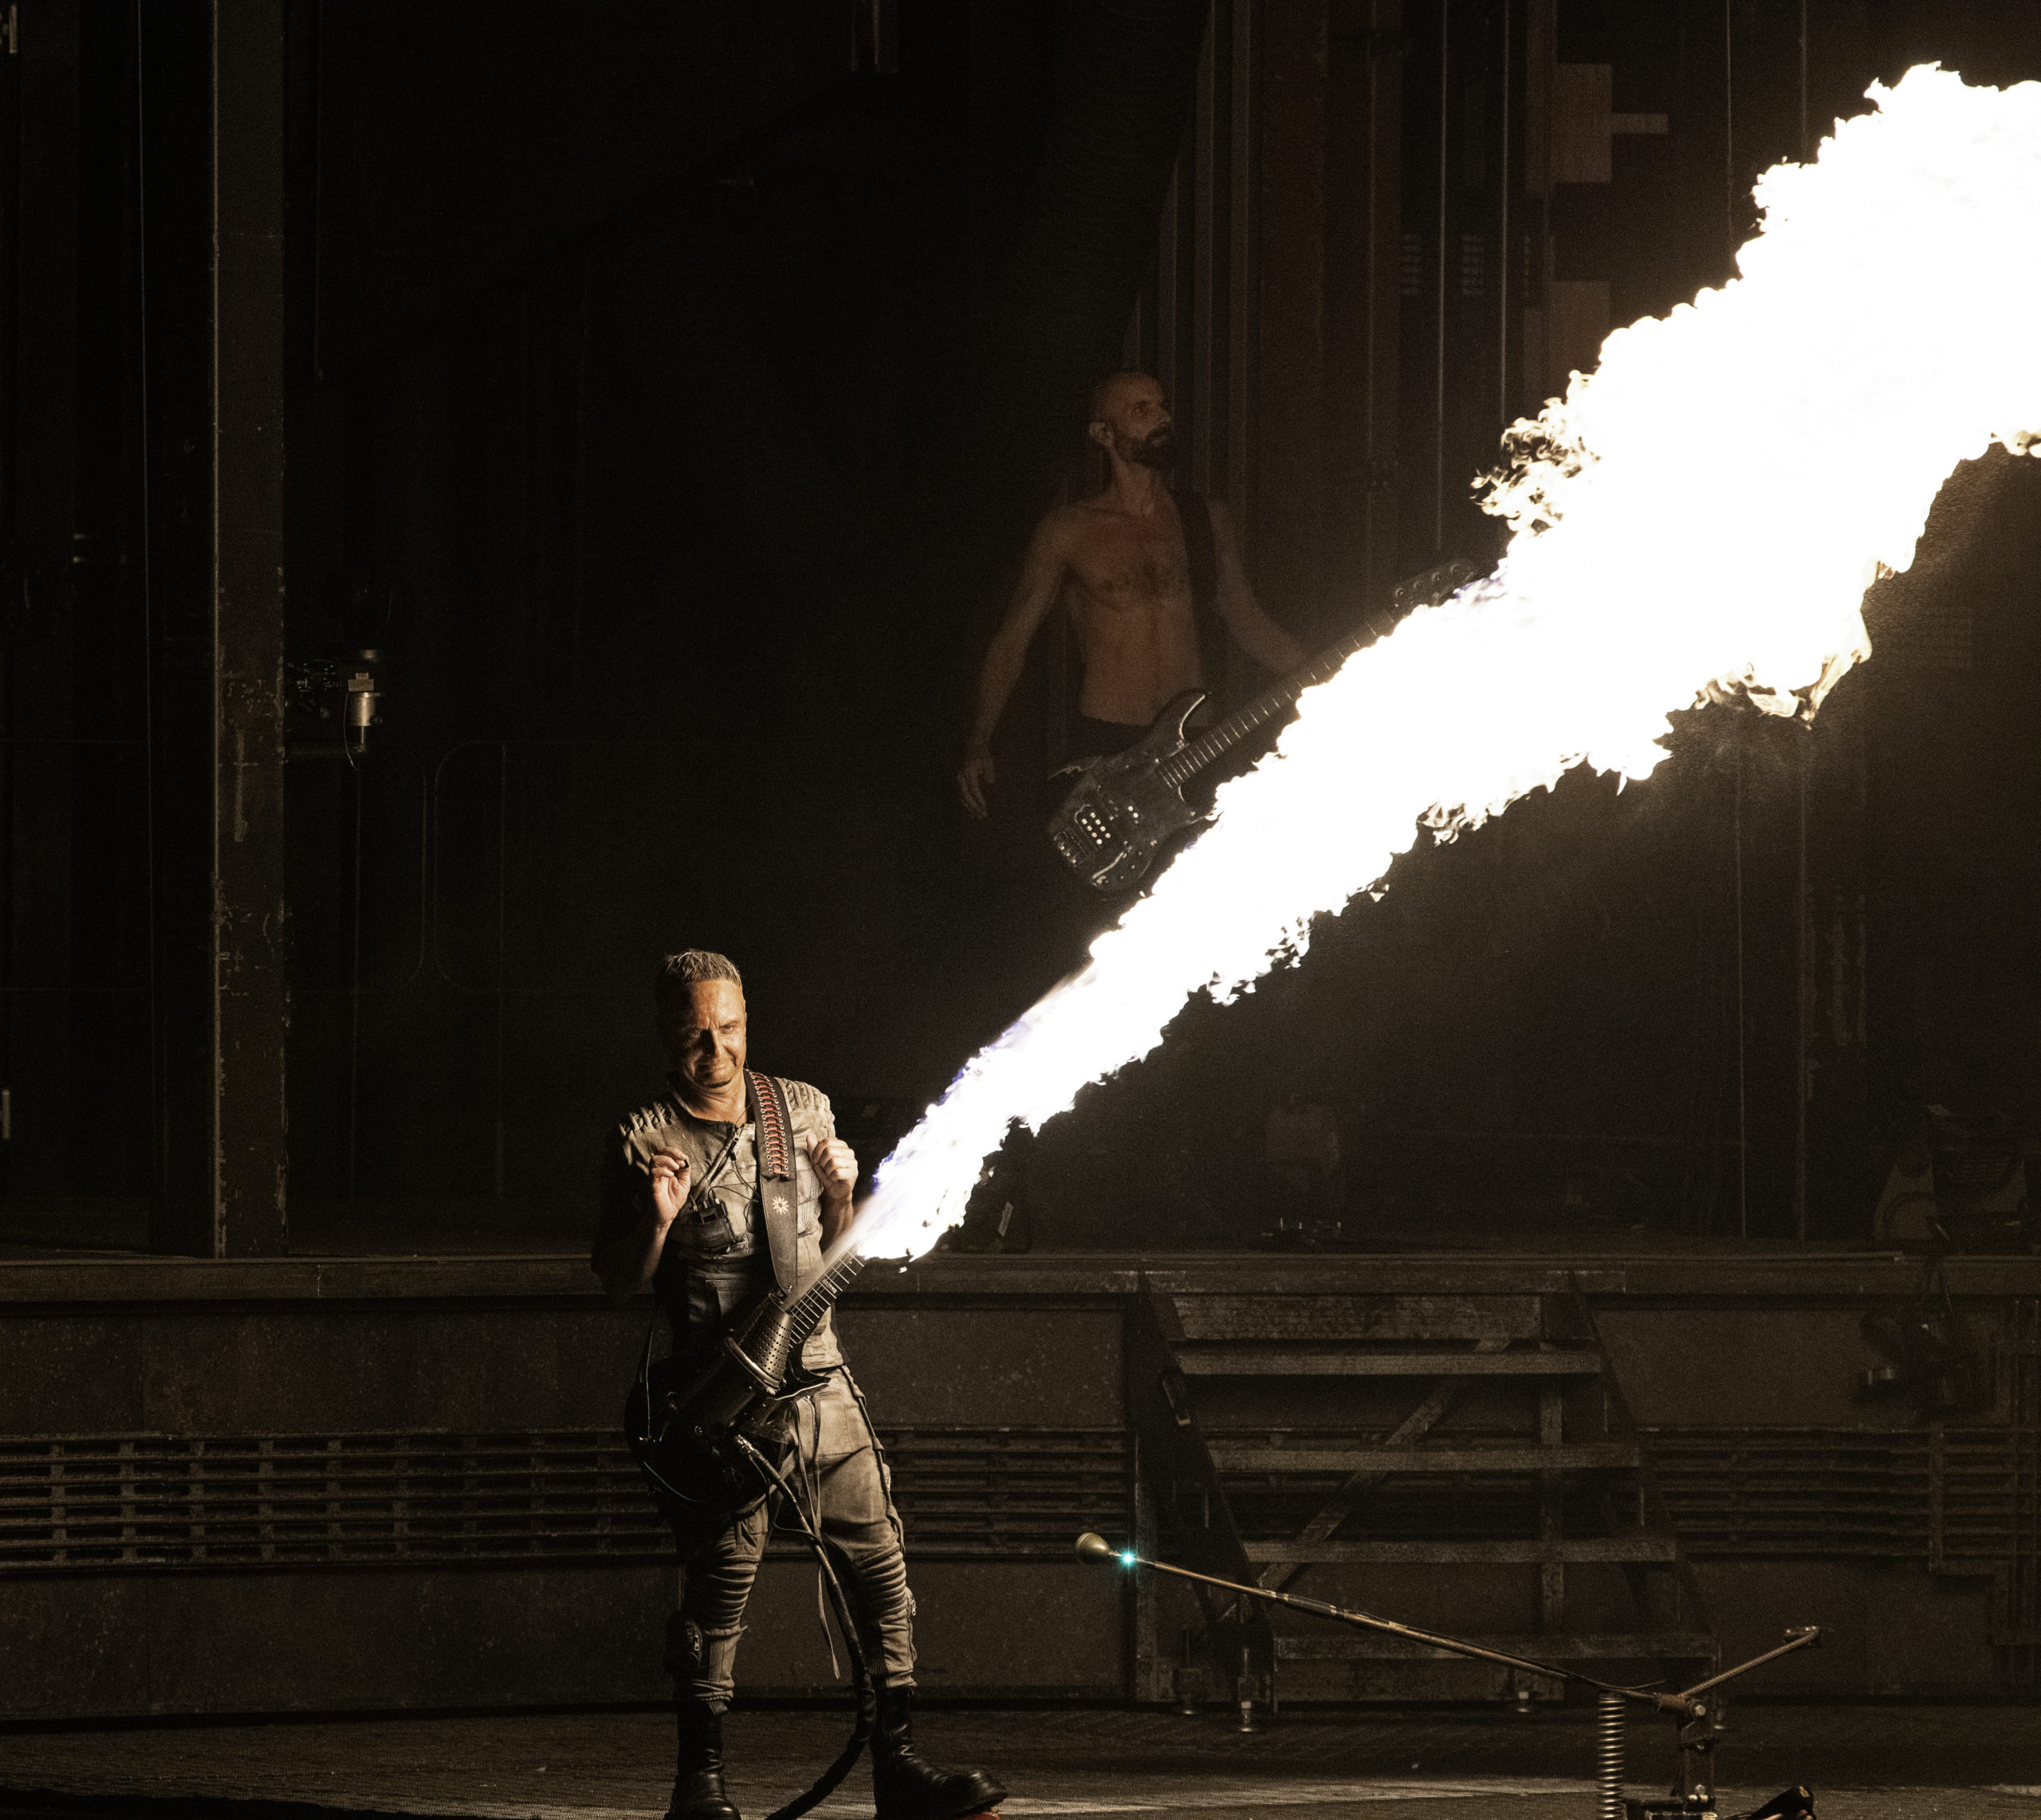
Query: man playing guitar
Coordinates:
[1130,557]
[682,1210]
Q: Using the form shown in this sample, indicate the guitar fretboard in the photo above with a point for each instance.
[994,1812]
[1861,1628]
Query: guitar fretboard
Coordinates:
[804,1312]
[1216,742]
[1427,589]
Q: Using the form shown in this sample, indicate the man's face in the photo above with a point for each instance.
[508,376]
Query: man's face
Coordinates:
[705,1035]
[1137,425]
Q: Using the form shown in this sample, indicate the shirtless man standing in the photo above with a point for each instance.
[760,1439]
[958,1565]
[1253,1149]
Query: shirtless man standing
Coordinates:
[1130,604]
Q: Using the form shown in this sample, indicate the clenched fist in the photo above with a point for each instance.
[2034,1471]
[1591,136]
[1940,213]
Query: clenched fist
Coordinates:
[669,1184]
[836,1163]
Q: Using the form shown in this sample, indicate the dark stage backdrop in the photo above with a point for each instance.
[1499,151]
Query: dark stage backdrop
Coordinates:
[669,400]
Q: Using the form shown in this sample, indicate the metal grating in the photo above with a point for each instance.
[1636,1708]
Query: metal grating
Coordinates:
[1010,1492]
[1952,1497]
[75,1503]
[162,1501]
[1965,1499]
[2016,1588]
[1961,1500]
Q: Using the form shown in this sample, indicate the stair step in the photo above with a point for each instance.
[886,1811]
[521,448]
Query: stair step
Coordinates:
[1597,1456]
[1641,1646]
[1238,1359]
[1627,1548]
[1295,1318]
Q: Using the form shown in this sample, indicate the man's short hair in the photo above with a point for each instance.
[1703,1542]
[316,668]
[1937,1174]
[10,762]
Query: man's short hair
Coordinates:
[1095,410]
[689,967]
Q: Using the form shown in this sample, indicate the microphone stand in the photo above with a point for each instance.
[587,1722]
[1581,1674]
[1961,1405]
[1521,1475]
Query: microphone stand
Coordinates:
[1611,1700]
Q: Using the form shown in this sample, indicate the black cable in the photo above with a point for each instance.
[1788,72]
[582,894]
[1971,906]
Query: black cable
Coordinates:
[867,1702]
[866,1719]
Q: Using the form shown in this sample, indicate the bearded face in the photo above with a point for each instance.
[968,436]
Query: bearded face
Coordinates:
[1156,450]
[1130,416]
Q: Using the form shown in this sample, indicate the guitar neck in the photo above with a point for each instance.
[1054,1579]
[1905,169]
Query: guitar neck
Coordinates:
[1216,742]
[806,1311]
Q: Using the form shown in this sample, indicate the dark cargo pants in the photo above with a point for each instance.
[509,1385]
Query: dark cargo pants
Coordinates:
[839,1462]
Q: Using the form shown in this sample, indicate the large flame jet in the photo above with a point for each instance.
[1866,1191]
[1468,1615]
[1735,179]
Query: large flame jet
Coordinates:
[1709,505]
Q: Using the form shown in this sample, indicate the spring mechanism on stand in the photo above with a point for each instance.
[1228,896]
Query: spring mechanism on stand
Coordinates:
[1609,1720]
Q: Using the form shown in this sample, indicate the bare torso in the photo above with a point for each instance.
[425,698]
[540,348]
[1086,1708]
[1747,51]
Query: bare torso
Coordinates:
[1131,606]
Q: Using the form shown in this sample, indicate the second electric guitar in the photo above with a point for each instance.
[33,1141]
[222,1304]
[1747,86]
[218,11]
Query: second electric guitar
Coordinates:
[1123,808]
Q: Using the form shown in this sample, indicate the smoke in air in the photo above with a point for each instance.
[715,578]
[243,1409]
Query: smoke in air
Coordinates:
[1711,503]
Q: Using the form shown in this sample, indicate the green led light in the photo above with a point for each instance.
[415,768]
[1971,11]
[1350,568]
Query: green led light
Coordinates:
[1126,1557]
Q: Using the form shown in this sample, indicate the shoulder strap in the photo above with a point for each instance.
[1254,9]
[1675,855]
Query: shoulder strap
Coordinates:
[1201,553]
[773,1129]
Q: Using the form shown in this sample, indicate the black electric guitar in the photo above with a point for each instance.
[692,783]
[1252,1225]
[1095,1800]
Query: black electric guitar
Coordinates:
[702,1432]
[1123,808]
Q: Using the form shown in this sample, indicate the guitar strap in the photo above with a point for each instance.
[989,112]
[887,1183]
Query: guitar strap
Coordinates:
[778,1192]
[1202,554]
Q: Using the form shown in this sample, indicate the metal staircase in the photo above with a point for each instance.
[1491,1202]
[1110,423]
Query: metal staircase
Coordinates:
[1462,1462]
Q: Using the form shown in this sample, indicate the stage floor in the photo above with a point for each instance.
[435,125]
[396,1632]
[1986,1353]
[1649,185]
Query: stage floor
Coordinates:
[1863,1762]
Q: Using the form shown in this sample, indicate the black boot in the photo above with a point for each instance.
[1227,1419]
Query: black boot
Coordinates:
[904,1787]
[698,1788]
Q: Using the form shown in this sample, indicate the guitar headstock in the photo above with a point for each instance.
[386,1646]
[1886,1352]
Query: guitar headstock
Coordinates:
[1427,589]
[1433,586]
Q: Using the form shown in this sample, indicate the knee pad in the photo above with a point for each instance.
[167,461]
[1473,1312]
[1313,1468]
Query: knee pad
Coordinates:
[681,1657]
[698,1655]
[717,1651]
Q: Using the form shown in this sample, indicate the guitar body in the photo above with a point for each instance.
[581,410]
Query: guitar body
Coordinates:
[700,1430]
[1121,808]
[699,1482]
[700,1476]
